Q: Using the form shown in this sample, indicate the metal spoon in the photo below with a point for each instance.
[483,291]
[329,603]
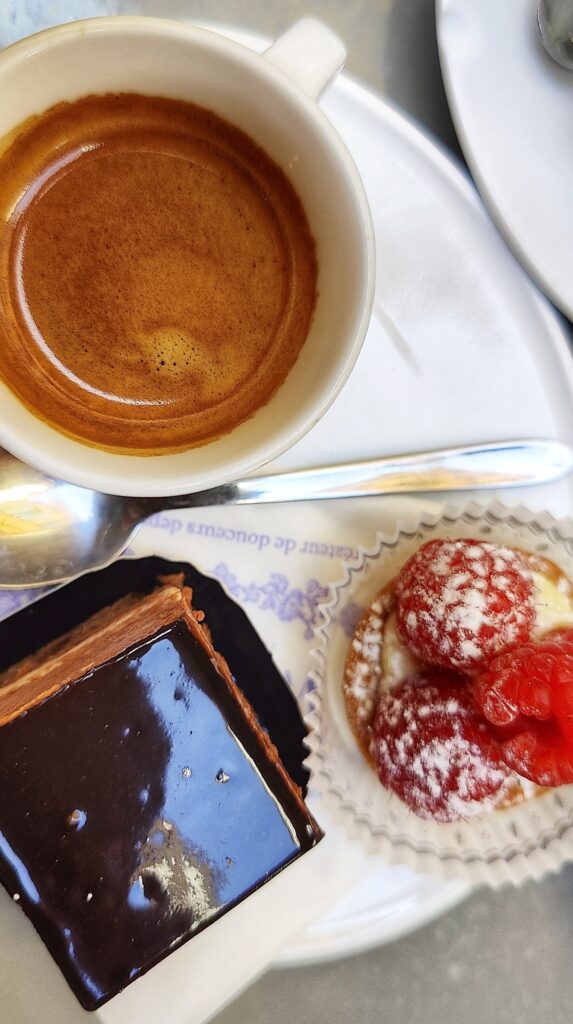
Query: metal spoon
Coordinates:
[51,531]
[555,20]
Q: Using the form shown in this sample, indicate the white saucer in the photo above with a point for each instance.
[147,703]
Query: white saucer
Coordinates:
[461,348]
[511,105]
[387,904]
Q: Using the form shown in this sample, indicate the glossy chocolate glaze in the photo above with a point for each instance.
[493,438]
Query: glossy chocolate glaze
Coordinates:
[232,632]
[137,805]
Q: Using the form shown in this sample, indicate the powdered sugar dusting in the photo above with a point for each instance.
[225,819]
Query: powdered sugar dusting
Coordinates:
[363,668]
[453,769]
[363,682]
[377,660]
[431,749]
[460,602]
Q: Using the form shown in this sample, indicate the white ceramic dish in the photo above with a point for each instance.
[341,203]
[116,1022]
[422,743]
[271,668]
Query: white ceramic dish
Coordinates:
[461,347]
[511,105]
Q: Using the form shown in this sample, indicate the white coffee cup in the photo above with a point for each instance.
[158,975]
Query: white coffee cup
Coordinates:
[272,97]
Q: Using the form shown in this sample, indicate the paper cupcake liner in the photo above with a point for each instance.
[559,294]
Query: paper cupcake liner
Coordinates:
[524,841]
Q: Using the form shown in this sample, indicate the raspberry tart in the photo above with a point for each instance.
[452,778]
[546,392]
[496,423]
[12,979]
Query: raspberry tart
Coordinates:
[443,714]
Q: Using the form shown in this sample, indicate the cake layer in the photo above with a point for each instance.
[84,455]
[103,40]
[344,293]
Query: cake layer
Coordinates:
[76,653]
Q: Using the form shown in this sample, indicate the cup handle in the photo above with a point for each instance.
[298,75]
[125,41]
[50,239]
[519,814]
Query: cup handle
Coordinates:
[309,53]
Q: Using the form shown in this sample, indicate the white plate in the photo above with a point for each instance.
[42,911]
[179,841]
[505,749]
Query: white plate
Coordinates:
[461,348]
[388,903]
[453,313]
[511,105]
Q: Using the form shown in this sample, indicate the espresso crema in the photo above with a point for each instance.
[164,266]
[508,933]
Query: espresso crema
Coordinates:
[158,276]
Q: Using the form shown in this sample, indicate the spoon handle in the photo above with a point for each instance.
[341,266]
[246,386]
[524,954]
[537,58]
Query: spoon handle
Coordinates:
[475,467]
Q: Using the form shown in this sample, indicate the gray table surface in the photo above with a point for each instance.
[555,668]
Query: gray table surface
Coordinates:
[500,956]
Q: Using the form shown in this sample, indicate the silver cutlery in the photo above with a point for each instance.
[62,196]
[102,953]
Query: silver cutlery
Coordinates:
[555,20]
[51,531]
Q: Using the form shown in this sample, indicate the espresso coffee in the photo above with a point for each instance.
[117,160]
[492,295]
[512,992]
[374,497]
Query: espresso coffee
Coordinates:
[157,272]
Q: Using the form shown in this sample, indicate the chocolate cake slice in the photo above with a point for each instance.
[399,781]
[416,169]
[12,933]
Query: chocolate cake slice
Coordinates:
[139,798]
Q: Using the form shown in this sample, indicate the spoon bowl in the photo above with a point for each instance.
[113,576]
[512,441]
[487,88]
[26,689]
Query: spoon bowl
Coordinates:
[555,21]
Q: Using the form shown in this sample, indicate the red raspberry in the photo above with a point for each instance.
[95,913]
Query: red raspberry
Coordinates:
[432,750]
[534,681]
[541,753]
[461,602]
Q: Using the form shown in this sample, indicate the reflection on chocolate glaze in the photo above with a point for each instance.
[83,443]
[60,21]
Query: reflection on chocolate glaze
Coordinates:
[116,833]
